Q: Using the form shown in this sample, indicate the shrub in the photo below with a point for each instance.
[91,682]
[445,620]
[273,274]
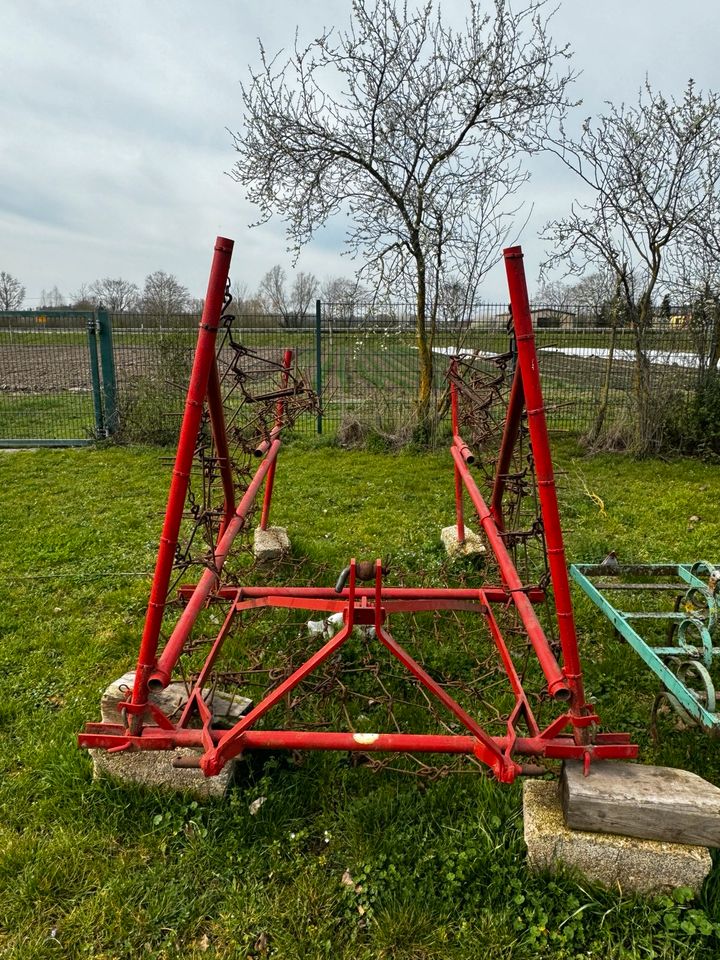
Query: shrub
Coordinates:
[697,421]
[149,405]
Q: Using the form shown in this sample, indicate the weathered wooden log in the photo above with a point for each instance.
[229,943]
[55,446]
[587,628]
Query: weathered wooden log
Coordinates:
[654,803]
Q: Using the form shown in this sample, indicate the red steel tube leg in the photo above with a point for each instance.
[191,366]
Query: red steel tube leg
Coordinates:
[460,519]
[267,499]
[527,360]
[557,684]
[202,362]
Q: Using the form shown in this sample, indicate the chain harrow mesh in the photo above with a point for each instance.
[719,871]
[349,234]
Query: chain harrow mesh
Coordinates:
[483,385]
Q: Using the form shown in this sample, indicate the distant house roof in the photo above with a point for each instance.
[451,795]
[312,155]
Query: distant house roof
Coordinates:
[555,314]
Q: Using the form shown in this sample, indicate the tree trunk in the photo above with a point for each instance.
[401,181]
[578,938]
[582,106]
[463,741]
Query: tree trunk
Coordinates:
[713,353]
[646,425]
[646,414]
[597,427]
[425,368]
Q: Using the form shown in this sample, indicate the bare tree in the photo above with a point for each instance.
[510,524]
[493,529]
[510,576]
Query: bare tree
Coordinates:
[304,291]
[12,292]
[240,293]
[692,270]
[413,130]
[82,298]
[290,307]
[694,283]
[343,290]
[243,303]
[595,290]
[650,173]
[51,299]
[164,295]
[116,295]
[590,299]
[555,294]
[343,300]
[457,303]
[273,293]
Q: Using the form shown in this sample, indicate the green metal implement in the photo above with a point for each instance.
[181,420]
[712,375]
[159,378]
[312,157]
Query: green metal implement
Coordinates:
[680,644]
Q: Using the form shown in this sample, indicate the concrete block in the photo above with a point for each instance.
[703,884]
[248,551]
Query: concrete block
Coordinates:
[472,546]
[654,803]
[270,544]
[627,863]
[154,768]
[226,708]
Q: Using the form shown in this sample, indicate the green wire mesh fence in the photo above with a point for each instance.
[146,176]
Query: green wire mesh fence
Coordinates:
[51,391]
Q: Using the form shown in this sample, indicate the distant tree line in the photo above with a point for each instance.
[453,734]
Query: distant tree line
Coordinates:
[163,295]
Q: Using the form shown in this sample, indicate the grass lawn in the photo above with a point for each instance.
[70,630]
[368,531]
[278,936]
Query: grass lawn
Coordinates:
[93,869]
[55,416]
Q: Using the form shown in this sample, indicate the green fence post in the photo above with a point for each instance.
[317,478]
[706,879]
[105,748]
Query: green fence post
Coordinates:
[92,330]
[107,361]
[318,362]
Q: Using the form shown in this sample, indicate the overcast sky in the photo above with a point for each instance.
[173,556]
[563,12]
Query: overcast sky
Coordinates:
[113,145]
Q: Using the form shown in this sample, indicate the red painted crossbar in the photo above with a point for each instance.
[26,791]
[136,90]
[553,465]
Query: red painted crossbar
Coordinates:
[113,735]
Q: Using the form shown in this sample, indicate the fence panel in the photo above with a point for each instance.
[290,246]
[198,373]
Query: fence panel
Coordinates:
[49,379]
[153,357]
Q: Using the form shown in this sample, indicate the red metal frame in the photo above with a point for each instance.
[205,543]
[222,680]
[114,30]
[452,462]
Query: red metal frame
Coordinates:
[571,734]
